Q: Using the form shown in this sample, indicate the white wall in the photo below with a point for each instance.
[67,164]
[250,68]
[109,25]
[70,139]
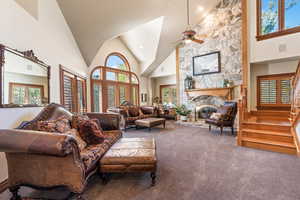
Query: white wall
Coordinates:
[166,80]
[269,49]
[166,68]
[267,69]
[51,40]
[116,45]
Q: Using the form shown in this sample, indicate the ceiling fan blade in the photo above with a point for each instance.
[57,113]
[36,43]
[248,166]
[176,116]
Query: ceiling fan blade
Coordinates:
[198,41]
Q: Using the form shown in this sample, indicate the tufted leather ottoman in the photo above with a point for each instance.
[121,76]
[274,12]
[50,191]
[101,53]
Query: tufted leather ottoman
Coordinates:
[130,155]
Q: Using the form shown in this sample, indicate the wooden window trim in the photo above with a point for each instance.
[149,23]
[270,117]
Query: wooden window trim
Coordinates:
[281,20]
[63,71]
[103,82]
[276,77]
[11,86]
[122,57]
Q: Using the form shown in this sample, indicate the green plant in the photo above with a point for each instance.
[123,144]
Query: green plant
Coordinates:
[182,110]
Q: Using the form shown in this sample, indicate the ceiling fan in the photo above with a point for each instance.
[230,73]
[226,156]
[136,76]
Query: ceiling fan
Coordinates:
[189,35]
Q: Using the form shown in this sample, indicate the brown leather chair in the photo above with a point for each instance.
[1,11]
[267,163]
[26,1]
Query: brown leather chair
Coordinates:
[229,111]
[46,160]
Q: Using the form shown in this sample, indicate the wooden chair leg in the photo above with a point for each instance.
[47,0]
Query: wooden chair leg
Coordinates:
[209,127]
[221,127]
[232,130]
[153,178]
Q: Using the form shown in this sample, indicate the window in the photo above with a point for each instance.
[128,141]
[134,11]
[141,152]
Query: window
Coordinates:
[274,91]
[277,17]
[168,94]
[73,91]
[113,84]
[117,61]
[26,94]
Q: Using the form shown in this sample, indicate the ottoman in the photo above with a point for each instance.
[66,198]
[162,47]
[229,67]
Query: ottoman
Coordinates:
[150,122]
[130,155]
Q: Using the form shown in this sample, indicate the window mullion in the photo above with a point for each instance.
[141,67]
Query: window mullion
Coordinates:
[281,13]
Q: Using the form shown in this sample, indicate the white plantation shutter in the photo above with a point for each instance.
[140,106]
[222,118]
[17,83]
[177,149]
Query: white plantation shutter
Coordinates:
[268,92]
[275,90]
[285,89]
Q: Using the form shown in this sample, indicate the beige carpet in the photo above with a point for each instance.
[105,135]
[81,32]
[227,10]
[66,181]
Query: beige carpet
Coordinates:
[197,165]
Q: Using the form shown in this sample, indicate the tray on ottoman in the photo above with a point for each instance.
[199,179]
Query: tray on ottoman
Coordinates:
[150,122]
[130,155]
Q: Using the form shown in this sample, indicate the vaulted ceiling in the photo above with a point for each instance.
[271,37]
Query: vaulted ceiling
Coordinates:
[95,21]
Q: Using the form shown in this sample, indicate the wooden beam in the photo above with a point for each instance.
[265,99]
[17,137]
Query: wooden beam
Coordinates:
[245,43]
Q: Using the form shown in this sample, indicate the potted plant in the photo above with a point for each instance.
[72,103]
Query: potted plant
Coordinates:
[183,112]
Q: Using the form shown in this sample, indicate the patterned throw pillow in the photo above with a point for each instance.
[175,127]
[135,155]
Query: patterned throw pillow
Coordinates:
[74,133]
[59,125]
[77,119]
[90,132]
[226,111]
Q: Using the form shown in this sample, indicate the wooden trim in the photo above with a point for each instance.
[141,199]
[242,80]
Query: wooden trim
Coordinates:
[63,71]
[11,86]
[166,86]
[178,75]
[245,42]
[226,93]
[104,83]
[281,20]
[119,55]
[3,185]
[277,78]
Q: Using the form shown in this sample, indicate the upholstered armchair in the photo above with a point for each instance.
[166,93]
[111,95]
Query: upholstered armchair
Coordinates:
[227,114]
[47,160]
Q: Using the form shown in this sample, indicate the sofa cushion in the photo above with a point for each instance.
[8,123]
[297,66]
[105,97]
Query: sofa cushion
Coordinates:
[59,125]
[74,133]
[91,132]
[92,153]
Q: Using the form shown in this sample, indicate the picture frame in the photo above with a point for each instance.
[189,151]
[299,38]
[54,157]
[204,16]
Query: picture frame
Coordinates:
[209,63]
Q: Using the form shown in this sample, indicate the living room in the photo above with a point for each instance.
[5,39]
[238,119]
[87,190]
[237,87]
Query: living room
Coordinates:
[149,99]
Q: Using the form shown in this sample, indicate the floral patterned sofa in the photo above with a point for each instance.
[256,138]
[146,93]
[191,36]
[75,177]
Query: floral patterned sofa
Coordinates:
[49,159]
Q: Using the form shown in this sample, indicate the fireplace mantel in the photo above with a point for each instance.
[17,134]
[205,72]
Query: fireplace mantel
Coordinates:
[226,93]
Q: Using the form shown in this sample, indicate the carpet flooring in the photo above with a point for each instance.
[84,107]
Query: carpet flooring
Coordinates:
[194,164]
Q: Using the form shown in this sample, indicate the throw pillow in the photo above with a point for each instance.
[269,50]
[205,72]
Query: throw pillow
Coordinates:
[77,119]
[74,133]
[90,132]
[60,125]
[216,116]
[226,111]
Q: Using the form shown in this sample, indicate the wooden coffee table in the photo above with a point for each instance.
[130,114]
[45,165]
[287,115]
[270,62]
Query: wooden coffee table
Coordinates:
[150,122]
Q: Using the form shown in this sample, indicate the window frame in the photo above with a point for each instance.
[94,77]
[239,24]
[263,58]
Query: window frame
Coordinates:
[281,22]
[278,104]
[120,56]
[104,83]
[170,86]
[27,86]
[75,78]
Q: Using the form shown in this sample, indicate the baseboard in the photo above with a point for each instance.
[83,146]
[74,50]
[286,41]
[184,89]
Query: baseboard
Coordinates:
[3,185]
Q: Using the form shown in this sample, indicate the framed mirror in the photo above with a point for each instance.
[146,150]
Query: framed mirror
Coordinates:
[24,79]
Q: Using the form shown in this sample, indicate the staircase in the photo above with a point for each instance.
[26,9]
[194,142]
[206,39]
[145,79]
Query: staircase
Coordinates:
[268,130]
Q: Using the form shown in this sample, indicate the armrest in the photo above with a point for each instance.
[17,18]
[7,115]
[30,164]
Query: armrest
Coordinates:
[108,121]
[36,142]
[118,111]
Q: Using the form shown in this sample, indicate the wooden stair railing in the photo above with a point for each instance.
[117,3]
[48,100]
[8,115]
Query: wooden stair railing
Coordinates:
[295,108]
[242,108]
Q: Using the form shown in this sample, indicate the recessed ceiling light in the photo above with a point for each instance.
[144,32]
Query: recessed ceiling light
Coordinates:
[141,46]
[200,9]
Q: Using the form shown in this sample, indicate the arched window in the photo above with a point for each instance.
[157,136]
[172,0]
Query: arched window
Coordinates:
[117,61]
[113,84]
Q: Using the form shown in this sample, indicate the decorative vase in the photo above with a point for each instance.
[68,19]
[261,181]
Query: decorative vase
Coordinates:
[183,118]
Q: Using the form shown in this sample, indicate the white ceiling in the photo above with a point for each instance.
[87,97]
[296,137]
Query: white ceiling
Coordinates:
[143,41]
[95,21]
